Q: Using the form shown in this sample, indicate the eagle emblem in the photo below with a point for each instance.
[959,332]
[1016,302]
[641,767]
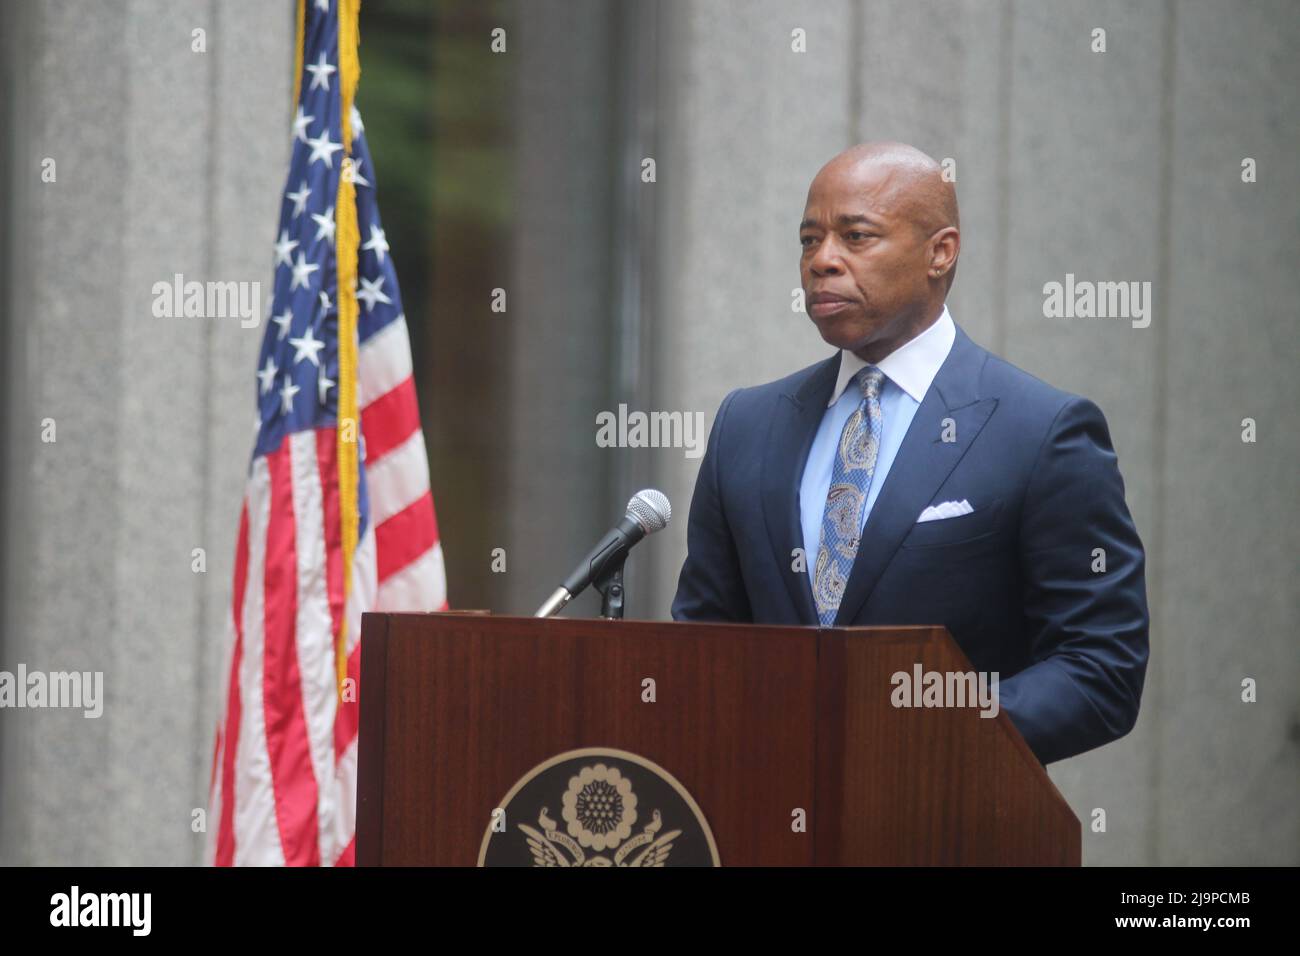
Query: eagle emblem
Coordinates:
[599,809]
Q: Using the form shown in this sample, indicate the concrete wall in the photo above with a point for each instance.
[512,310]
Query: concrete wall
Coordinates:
[167,160]
[561,288]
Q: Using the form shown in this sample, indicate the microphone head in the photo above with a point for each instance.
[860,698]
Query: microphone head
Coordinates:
[650,509]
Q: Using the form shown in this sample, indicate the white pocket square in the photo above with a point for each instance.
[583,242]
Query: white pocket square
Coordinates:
[949,509]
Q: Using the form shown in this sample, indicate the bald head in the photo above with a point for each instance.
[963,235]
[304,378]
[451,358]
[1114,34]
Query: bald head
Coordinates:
[880,242]
[911,181]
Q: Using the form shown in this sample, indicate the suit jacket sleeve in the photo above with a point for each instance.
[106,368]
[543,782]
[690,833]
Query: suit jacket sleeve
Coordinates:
[711,587]
[1087,628]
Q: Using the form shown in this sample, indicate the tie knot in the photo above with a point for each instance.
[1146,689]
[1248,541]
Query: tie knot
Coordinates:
[870,380]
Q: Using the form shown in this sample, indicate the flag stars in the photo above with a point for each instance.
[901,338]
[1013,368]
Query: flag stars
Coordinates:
[325,303]
[324,225]
[283,320]
[355,116]
[323,149]
[356,177]
[299,199]
[300,122]
[308,346]
[283,246]
[267,375]
[372,292]
[320,72]
[323,385]
[377,243]
[287,392]
[301,270]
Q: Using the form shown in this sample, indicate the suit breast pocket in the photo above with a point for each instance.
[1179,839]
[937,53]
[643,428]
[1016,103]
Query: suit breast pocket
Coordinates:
[979,525]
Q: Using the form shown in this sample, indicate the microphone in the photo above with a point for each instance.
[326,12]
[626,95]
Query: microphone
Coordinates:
[647,512]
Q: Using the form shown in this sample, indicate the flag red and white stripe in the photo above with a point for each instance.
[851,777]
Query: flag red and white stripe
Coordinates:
[286,755]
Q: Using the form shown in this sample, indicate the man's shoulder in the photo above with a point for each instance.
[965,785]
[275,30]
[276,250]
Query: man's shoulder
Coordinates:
[1032,415]
[1023,393]
[1002,378]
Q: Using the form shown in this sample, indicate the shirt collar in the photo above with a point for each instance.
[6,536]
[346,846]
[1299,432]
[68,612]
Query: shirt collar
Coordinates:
[912,366]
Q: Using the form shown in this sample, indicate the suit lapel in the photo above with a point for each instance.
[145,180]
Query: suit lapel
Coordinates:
[923,463]
[793,427]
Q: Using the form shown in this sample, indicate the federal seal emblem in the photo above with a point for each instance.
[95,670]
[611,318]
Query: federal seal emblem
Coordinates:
[612,808]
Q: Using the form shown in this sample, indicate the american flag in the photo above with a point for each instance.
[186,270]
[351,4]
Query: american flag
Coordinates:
[337,516]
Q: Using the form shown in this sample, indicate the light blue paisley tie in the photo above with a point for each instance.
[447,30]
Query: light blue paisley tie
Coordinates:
[855,463]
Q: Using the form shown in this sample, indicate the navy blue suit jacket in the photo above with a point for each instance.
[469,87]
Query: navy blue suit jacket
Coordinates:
[1013,581]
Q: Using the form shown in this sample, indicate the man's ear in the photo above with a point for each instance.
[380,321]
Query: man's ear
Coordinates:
[945,246]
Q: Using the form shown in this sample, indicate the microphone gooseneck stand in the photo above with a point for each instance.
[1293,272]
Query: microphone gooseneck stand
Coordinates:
[610,586]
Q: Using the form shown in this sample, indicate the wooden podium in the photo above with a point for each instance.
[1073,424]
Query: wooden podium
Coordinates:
[756,722]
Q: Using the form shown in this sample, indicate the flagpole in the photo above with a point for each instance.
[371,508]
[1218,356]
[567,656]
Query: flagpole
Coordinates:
[346,244]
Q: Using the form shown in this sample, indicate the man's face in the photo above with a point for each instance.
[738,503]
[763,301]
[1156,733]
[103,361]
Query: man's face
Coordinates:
[864,263]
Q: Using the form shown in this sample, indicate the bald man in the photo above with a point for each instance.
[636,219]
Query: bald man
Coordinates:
[915,478]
